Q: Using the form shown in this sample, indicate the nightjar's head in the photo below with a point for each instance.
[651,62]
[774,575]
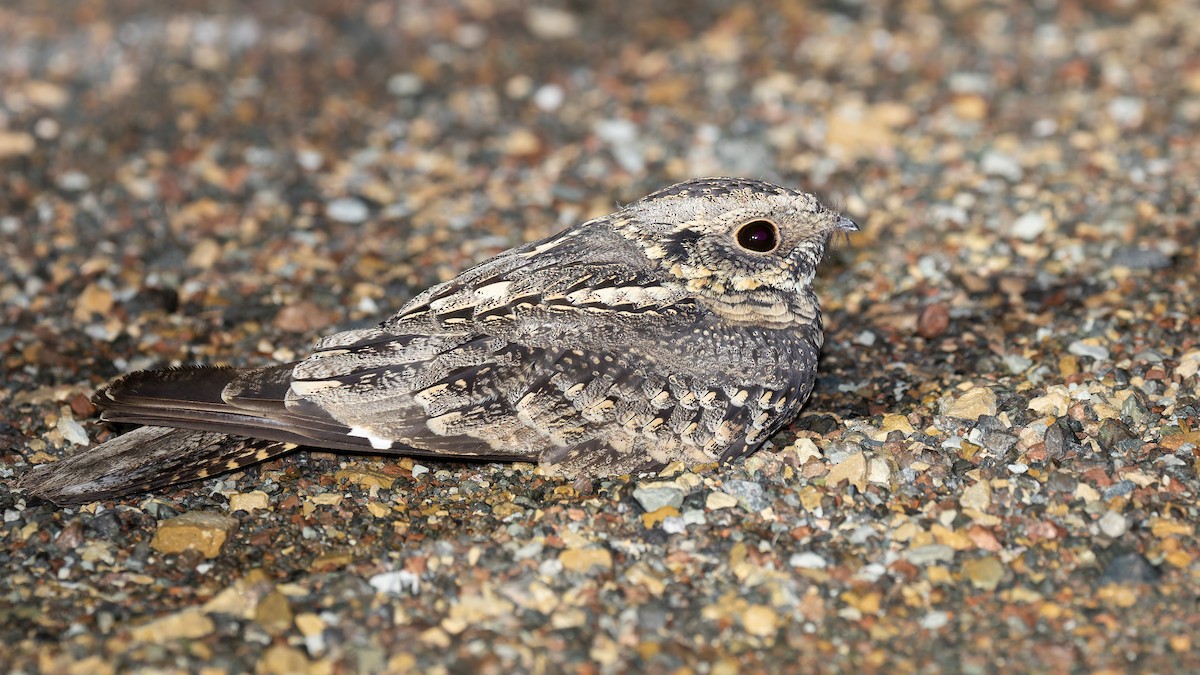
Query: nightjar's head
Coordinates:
[746,248]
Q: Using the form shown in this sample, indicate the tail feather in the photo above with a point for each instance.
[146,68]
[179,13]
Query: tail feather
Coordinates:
[251,403]
[146,458]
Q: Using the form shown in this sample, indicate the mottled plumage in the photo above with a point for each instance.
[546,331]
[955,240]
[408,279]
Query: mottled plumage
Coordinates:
[681,327]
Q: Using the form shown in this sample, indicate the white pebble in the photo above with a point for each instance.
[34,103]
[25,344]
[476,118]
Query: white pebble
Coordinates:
[1029,226]
[1113,524]
[347,210]
[72,431]
[808,560]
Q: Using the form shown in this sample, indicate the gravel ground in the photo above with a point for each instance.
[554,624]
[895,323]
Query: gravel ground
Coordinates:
[998,470]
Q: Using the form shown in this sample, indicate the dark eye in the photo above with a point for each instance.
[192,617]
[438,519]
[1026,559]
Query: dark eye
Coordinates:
[758,235]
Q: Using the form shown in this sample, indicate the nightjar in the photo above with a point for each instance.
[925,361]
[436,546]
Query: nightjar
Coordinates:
[683,326]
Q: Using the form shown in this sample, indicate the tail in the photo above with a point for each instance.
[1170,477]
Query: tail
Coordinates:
[144,459]
[194,433]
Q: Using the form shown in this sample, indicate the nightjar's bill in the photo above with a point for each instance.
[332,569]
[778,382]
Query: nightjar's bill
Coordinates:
[681,327]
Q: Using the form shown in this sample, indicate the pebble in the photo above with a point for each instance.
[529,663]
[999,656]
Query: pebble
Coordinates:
[654,496]
[1122,488]
[749,494]
[1130,568]
[760,620]
[397,583]
[551,23]
[929,554]
[1029,226]
[808,560]
[348,210]
[72,431]
[248,501]
[1140,257]
[1113,524]
[935,620]
[204,531]
[934,321]
[984,573]
[282,660]
[16,144]
[1115,437]
[973,403]
[584,560]
[977,496]
[188,624]
[999,164]
[1081,348]
[717,500]
[852,469]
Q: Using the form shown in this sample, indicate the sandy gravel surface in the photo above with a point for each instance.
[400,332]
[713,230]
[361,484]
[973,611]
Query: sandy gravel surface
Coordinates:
[998,469]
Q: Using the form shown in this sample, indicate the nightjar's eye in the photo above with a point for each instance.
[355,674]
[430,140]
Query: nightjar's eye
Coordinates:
[760,236]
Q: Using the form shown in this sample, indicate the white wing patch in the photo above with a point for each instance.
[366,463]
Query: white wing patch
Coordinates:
[377,442]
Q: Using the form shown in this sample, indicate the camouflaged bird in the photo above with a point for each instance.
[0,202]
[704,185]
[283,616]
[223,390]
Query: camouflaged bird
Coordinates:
[681,327]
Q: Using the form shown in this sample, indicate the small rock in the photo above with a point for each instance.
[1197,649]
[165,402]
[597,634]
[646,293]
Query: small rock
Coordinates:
[1054,402]
[1113,524]
[1130,568]
[1140,258]
[717,500]
[94,300]
[879,471]
[1134,408]
[760,620]
[984,573]
[396,582]
[204,254]
[242,597]
[15,144]
[1017,364]
[1059,439]
[808,560]
[204,531]
[935,620]
[652,518]
[1029,226]
[248,501]
[551,23]
[803,450]
[1116,437]
[975,402]
[72,430]
[274,613]
[1122,488]
[1081,348]
[978,496]
[303,317]
[583,560]
[929,554]
[893,422]
[74,181]
[750,495]
[282,660]
[999,164]
[934,321]
[654,496]
[189,624]
[853,470]
[1127,111]
[347,210]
